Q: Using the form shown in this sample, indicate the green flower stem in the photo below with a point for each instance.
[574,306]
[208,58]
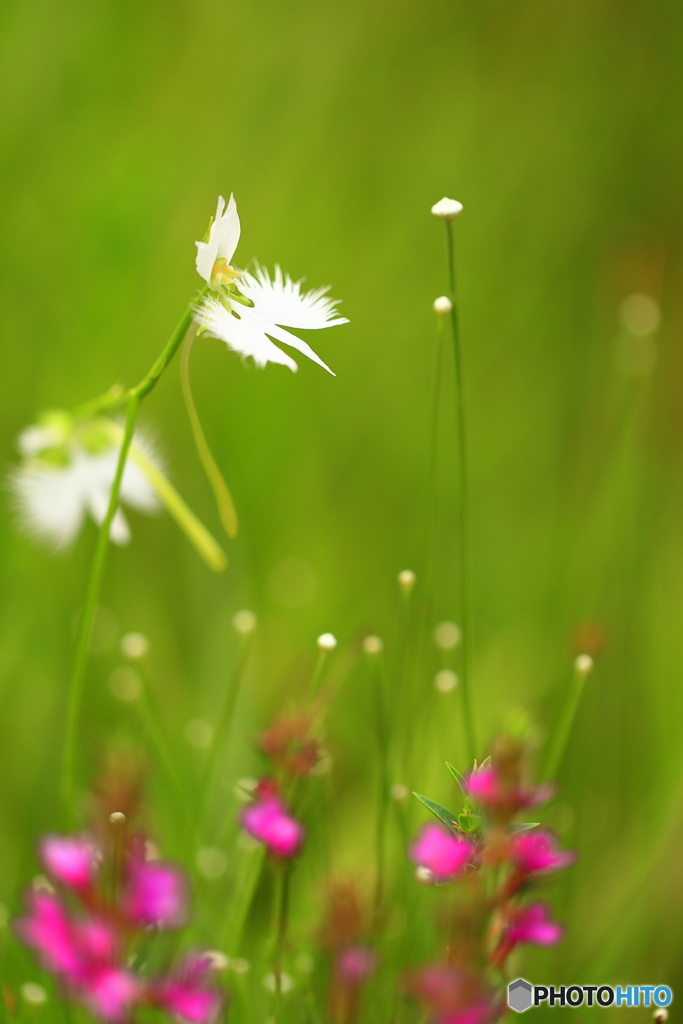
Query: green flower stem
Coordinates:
[317,676]
[223,730]
[465,585]
[75,692]
[156,734]
[382,731]
[226,506]
[280,924]
[560,737]
[247,879]
[132,400]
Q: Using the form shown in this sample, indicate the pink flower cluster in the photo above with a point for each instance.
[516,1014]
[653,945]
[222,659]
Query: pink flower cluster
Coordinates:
[87,938]
[268,821]
[500,862]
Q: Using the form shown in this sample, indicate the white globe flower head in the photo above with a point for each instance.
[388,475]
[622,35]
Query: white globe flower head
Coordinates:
[442,306]
[68,477]
[447,209]
[327,642]
[246,310]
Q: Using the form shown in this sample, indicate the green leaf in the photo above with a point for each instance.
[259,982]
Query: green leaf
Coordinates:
[460,779]
[524,826]
[442,813]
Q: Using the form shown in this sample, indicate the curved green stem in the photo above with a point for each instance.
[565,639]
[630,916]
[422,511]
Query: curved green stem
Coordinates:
[465,595]
[111,399]
[75,693]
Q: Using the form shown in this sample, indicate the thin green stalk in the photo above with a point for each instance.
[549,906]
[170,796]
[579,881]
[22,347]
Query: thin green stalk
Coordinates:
[383,739]
[75,693]
[317,676]
[223,730]
[245,889]
[152,723]
[465,585]
[280,923]
[558,743]
[132,399]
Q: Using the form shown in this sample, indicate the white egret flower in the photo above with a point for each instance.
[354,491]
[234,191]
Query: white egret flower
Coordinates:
[246,310]
[58,487]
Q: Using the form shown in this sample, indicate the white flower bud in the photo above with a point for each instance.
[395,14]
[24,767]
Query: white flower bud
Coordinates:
[640,314]
[134,645]
[583,664]
[406,580]
[447,209]
[117,818]
[372,646]
[34,994]
[327,642]
[425,876]
[211,862]
[198,733]
[218,960]
[244,622]
[239,965]
[442,306]
[447,635]
[660,1016]
[445,680]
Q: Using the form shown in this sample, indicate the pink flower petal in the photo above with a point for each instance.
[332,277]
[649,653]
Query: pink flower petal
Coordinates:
[267,821]
[69,860]
[155,894]
[440,851]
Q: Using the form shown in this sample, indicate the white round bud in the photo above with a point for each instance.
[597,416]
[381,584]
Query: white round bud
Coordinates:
[406,580]
[442,306]
[583,664]
[445,681]
[244,622]
[372,646]
[117,818]
[640,314]
[660,1016]
[211,862]
[447,209]
[134,645]
[239,965]
[399,792]
[33,994]
[125,683]
[198,733]
[447,636]
[327,642]
[218,961]
[424,876]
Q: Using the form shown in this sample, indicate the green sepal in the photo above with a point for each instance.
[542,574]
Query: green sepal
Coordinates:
[442,813]
[235,295]
[460,779]
[524,826]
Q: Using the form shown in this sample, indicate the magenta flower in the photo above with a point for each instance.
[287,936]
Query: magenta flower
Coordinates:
[110,993]
[355,964]
[501,795]
[268,821]
[155,894]
[478,1013]
[86,943]
[189,992]
[537,853]
[71,860]
[440,851]
[47,929]
[532,924]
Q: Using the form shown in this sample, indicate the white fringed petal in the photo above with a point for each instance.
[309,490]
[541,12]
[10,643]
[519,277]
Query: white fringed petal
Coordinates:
[281,301]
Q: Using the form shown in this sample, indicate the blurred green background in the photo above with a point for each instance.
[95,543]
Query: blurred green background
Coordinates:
[337,125]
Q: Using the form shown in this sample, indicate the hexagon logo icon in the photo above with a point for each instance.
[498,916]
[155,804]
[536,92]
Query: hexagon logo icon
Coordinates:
[520,995]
